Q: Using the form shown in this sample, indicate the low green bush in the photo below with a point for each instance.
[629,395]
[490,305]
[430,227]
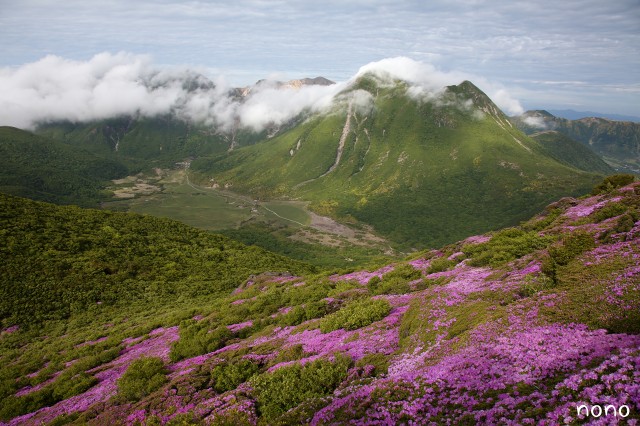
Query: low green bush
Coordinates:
[395,281]
[388,286]
[505,246]
[612,182]
[144,376]
[440,264]
[534,285]
[356,314]
[303,313]
[608,211]
[288,386]
[230,375]
[572,245]
[197,338]
[404,271]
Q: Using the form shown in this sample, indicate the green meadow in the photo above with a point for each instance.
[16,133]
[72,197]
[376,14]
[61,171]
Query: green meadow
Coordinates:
[268,224]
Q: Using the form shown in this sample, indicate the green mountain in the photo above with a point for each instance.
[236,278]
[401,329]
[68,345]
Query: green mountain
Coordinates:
[159,141]
[140,142]
[570,152]
[47,170]
[618,142]
[420,170]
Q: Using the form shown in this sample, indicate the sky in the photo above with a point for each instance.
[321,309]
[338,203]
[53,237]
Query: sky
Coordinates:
[569,54]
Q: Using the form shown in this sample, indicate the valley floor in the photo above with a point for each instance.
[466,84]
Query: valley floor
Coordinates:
[170,193]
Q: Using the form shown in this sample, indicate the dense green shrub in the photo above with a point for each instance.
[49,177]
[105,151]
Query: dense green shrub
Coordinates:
[144,376]
[540,224]
[288,386]
[572,245]
[228,376]
[305,312]
[505,246]
[197,338]
[395,281]
[439,265]
[612,182]
[356,314]
[405,272]
[67,387]
[534,285]
[608,211]
[344,287]
[388,286]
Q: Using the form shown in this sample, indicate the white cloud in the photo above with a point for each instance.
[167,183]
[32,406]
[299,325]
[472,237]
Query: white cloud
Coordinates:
[508,104]
[426,81]
[419,74]
[535,121]
[109,85]
[277,105]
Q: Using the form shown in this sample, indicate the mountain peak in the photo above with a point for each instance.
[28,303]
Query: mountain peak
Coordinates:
[290,84]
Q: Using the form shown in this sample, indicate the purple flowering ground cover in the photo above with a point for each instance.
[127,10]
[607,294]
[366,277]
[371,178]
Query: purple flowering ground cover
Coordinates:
[523,339]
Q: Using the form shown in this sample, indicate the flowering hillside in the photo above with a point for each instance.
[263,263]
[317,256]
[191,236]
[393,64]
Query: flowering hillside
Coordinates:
[520,326]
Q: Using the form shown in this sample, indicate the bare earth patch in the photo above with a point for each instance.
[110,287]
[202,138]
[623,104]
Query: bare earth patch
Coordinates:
[331,229]
[138,189]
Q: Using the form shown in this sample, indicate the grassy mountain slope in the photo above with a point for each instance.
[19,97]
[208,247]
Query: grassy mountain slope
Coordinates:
[146,142]
[43,169]
[70,275]
[571,152]
[59,261]
[618,142]
[422,172]
[498,328]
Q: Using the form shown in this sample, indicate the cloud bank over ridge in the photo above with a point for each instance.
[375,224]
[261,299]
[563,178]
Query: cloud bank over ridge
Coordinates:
[110,85]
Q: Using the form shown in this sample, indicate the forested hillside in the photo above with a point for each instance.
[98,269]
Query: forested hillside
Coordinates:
[43,169]
[58,261]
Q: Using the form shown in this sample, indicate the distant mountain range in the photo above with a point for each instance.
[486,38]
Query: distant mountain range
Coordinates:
[617,142]
[571,114]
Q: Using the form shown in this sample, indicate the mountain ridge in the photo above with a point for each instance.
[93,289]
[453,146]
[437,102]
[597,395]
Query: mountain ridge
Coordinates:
[617,142]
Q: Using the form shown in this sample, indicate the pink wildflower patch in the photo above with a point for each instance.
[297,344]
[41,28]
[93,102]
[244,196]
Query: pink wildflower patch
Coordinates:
[91,342]
[239,326]
[10,330]
[157,345]
[241,301]
[588,206]
[362,277]
[421,263]
[30,389]
[477,239]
